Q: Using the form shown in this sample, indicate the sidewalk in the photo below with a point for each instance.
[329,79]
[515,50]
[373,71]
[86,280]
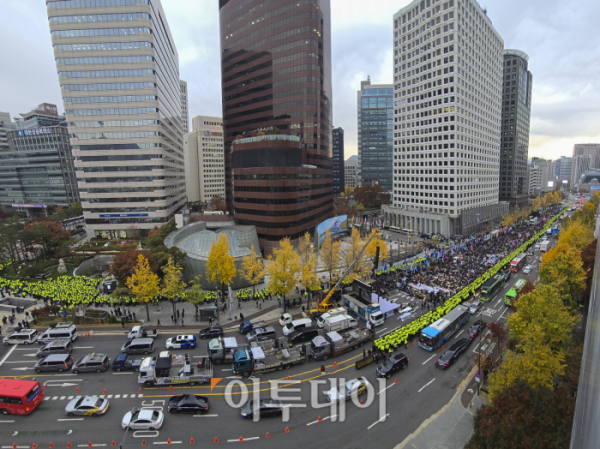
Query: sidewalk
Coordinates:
[452,426]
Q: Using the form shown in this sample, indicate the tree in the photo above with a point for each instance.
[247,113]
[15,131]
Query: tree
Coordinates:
[348,191]
[173,285]
[196,295]
[160,253]
[220,267]
[371,196]
[371,250]
[330,255]
[124,263]
[46,232]
[143,283]
[341,206]
[254,269]
[307,258]
[562,267]
[353,248]
[522,417]
[282,269]
[70,211]
[537,203]
[576,235]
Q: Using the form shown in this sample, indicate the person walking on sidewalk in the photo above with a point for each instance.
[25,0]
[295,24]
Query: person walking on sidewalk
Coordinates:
[158,323]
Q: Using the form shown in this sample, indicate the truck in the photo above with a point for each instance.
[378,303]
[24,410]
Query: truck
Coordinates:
[368,311]
[173,369]
[333,344]
[258,360]
[545,246]
[339,323]
[247,326]
[124,362]
[331,313]
[221,349]
[142,332]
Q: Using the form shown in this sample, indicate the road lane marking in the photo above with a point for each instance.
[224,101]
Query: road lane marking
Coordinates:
[62,398]
[109,396]
[117,396]
[389,386]
[381,330]
[231,369]
[120,374]
[198,356]
[167,442]
[500,317]
[87,445]
[459,334]
[7,422]
[21,369]
[234,377]
[205,416]
[429,359]
[20,361]
[322,419]
[83,347]
[426,385]
[378,421]
[237,440]
[70,419]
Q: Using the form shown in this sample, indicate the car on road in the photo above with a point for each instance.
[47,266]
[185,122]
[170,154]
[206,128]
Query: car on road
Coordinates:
[354,387]
[476,328]
[285,318]
[55,362]
[92,362]
[87,406]
[188,403]
[182,342]
[450,356]
[266,407]
[143,419]
[22,337]
[474,307]
[211,332]
[395,363]
[62,346]
[261,334]
[124,362]
[527,269]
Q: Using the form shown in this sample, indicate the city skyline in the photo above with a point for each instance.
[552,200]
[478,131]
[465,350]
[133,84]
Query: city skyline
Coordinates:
[362,46]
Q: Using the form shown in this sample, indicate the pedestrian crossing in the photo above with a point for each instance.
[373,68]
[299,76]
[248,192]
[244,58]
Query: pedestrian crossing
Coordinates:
[103,396]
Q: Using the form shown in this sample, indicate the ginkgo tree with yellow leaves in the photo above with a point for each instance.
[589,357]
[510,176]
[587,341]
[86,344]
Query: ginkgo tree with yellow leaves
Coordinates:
[562,268]
[371,251]
[143,283]
[351,253]
[173,285]
[282,269]
[307,258]
[220,266]
[254,269]
[330,256]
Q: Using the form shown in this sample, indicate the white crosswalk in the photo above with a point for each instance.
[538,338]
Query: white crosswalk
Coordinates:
[108,396]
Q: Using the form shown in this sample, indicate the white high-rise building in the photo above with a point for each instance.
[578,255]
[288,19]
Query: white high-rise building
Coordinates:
[118,70]
[205,159]
[581,164]
[185,114]
[448,61]
[351,172]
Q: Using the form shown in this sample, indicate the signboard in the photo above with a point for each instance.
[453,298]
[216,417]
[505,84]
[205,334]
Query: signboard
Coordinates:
[366,361]
[34,132]
[38,206]
[122,215]
[335,225]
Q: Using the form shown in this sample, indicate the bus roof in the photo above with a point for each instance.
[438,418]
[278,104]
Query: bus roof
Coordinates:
[520,284]
[16,387]
[512,293]
[492,281]
[441,324]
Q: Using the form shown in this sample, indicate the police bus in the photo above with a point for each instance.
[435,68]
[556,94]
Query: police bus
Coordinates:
[491,287]
[434,336]
[518,262]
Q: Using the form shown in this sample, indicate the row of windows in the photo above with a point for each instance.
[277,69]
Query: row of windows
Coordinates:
[276,201]
[100,18]
[101,32]
[104,60]
[103,46]
[275,37]
[128,179]
[285,225]
[118,168]
[106,123]
[67,4]
[283,213]
[115,111]
[279,189]
[278,177]
[116,99]
[119,157]
[115,135]
[106,73]
[107,86]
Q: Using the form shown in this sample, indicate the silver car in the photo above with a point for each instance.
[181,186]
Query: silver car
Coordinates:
[354,387]
[87,406]
[143,420]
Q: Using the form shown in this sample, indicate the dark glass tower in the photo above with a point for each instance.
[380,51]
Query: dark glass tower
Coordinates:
[276,82]
[339,181]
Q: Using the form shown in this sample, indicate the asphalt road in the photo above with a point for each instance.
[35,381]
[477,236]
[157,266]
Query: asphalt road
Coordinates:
[397,408]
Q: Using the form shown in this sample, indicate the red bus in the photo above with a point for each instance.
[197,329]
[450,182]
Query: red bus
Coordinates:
[19,397]
[517,263]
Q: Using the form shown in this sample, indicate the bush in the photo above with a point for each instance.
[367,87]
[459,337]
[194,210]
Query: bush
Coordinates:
[112,319]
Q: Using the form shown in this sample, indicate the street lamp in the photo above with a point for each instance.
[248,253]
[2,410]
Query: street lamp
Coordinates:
[133,410]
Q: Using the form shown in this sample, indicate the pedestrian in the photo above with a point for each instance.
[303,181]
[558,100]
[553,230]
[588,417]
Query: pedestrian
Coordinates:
[134,318]
[182,313]
[123,322]
[182,325]
[241,316]
[177,313]
[158,323]
[172,320]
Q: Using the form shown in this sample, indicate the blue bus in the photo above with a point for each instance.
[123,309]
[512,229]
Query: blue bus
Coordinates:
[434,336]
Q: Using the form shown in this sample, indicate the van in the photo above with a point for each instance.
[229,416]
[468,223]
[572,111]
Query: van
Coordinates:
[332,312]
[55,362]
[56,333]
[61,346]
[261,334]
[302,335]
[91,363]
[296,324]
[138,346]
[22,337]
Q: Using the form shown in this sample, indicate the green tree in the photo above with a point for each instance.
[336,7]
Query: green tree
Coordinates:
[172,284]
[254,269]
[562,267]
[143,283]
[330,256]
[283,268]
[47,233]
[196,295]
[220,267]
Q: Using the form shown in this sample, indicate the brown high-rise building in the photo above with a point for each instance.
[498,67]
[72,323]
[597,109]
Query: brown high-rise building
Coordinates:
[276,81]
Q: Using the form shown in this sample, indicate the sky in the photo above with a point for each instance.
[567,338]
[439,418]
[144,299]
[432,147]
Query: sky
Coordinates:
[560,37]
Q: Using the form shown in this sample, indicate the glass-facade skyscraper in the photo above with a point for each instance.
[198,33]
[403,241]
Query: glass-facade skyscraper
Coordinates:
[375,105]
[118,70]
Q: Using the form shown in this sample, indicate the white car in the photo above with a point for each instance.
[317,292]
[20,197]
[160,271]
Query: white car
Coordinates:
[354,387]
[285,318]
[182,342]
[474,307]
[527,269]
[143,419]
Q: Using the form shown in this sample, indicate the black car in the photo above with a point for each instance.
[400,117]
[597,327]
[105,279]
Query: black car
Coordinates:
[395,363]
[188,403]
[450,356]
[211,332]
[267,407]
[477,327]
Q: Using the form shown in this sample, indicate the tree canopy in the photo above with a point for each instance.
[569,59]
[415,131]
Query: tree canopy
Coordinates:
[283,268]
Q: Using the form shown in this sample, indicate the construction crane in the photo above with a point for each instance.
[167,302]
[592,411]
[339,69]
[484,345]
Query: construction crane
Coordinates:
[324,305]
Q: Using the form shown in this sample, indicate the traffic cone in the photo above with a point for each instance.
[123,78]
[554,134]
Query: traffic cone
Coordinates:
[319,419]
[192,440]
[90,443]
[77,389]
[144,443]
[288,378]
[114,443]
[334,364]
[268,435]
[14,445]
[140,390]
[443,348]
[168,441]
[51,445]
[216,440]
[241,439]
[287,429]
[170,387]
[104,391]
[34,446]
[45,386]
[68,445]
[396,380]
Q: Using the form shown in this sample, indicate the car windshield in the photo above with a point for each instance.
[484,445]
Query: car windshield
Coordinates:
[447,356]
[99,402]
[388,364]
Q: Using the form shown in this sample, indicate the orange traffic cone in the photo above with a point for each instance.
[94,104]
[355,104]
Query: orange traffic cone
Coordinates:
[168,441]
[319,419]
[287,430]
[192,440]
[268,435]
[216,440]
[241,439]
[396,380]
[170,387]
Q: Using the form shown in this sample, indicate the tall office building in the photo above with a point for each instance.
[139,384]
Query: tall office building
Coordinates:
[539,174]
[338,161]
[581,164]
[516,112]
[447,118]
[204,160]
[563,169]
[375,103]
[185,114]
[276,84]
[6,124]
[351,175]
[119,76]
[593,149]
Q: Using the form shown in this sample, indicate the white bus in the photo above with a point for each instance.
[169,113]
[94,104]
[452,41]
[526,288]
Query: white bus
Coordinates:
[395,229]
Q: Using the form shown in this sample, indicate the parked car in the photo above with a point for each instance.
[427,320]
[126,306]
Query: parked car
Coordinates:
[211,332]
[247,326]
[123,362]
[477,327]
[87,406]
[188,403]
[395,363]
[450,356]
[266,407]
[182,342]
[143,419]
[55,362]
[22,337]
[354,387]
